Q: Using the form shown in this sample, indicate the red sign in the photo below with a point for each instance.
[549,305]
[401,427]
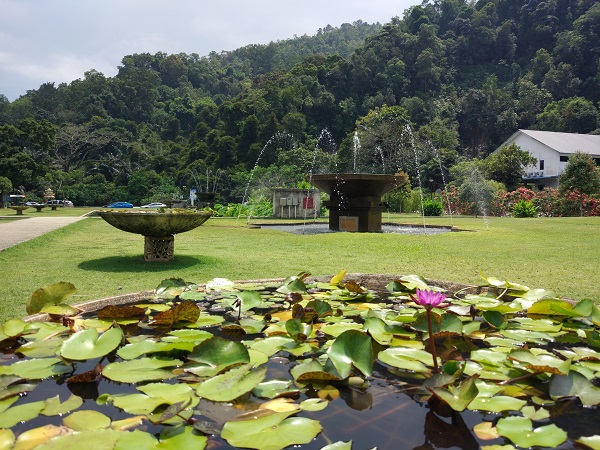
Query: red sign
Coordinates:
[308,203]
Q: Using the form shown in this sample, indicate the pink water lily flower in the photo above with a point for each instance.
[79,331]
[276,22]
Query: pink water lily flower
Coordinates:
[429,299]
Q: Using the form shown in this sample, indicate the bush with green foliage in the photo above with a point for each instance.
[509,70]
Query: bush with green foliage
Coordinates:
[524,208]
[432,207]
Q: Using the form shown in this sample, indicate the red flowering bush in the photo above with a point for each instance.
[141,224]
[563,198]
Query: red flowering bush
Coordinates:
[548,202]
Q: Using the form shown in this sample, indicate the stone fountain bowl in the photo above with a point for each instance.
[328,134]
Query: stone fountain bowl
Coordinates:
[358,184]
[151,223]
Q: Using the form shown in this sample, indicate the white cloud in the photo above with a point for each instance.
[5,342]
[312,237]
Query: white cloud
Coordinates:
[57,41]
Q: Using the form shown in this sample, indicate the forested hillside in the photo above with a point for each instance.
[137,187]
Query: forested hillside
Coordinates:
[465,74]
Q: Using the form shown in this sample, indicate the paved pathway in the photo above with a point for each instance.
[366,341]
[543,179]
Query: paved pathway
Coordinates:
[13,232]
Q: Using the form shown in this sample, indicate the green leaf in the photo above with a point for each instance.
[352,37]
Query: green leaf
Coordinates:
[35,369]
[495,319]
[298,330]
[60,310]
[171,288]
[87,420]
[541,361]
[86,344]
[592,442]
[406,358]
[154,395]
[377,328]
[273,431]
[20,413]
[51,294]
[148,346]
[7,438]
[458,397]
[273,388]
[233,383]
[41,348]
[574,384]
[337,279]
[143,369]
[352,348]
[215,355]
[53,406]
[11,385]
[520,431]
[248,300]
[496,404]
[102,439]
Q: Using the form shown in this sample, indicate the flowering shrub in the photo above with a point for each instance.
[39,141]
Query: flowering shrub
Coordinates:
[548,202]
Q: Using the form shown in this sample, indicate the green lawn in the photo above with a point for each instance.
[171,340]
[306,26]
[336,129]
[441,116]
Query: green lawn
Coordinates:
[562,254]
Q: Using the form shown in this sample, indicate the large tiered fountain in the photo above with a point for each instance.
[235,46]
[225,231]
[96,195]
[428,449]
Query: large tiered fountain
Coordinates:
[157,228]
[355,198]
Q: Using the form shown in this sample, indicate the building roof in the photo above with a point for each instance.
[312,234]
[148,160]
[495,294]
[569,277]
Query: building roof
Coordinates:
[566,143]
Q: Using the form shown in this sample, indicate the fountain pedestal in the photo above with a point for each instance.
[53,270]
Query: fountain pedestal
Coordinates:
[355,198]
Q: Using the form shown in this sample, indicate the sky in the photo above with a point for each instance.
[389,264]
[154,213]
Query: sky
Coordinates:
[59,40]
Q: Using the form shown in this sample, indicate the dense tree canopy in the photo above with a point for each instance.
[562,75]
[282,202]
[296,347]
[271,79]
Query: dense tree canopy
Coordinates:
[461,75]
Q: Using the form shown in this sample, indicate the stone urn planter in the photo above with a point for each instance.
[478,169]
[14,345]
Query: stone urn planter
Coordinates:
[157,228]
[19,209]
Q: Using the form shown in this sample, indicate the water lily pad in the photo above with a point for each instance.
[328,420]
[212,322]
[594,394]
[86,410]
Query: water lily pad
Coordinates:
[520,431]
[86,344]
[574,384]
[186,311]
[51,294]
[541,362]
[406,358]
[378,330]
[41,348]
[103,439]
[36,368]
[7,438]
[215,355]
[143,369]
[54,407]
[271,432]
[298,330]
[20,413]
[337,278]
[272,344]
[171,288]
[273,388]
[121,312]
[352,348]
[154,395]
[87,420]
[231,384]
[148,346]
[247,300]
[496,404]
[592,442]
[60,310]
[457,397]
[11,385]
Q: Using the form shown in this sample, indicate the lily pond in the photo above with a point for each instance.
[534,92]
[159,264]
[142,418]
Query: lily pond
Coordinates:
[305,362]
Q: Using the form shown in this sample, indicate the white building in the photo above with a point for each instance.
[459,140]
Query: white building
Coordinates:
[552,151]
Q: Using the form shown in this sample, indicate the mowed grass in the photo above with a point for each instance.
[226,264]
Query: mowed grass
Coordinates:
[561,254]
